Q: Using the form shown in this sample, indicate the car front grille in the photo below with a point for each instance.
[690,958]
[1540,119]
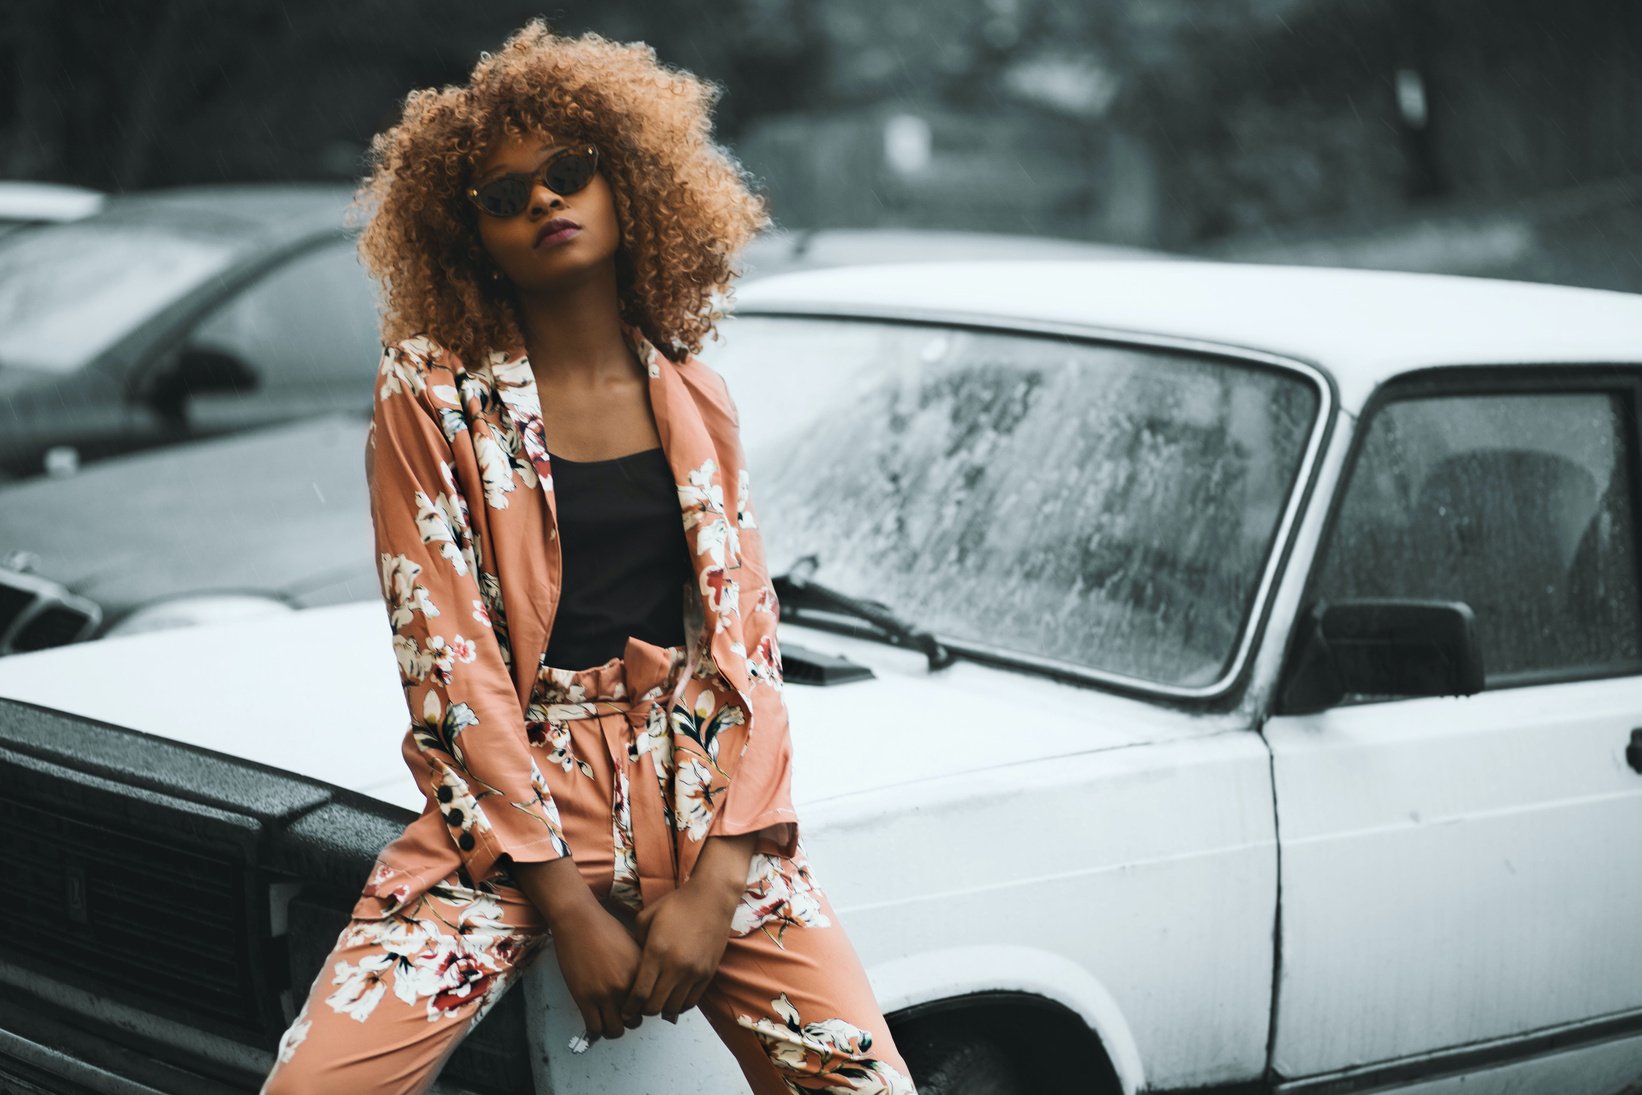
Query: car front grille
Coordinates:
[180,903]
[136,896]
[128,910]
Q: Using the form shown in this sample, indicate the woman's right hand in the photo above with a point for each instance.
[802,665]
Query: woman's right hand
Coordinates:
[597,954]
[599,960]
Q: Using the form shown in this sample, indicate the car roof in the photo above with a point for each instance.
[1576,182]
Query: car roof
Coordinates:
[251,213]
[1362,326]
[812,248]
[28,200]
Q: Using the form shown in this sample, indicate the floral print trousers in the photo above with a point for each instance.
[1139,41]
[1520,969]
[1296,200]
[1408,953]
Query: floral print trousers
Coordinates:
[411,975]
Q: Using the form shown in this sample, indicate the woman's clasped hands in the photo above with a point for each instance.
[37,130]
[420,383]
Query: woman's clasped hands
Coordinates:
[663,963]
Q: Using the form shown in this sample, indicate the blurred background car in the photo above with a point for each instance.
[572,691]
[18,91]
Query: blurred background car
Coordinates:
[260,522]
[178,315]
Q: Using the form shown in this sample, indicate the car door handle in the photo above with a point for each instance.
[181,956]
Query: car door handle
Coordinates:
[1633,751]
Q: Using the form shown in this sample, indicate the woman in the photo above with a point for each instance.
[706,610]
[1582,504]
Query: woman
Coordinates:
[576,587]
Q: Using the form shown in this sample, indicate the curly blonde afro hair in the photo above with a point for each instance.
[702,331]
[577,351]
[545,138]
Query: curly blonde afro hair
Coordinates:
[683,202]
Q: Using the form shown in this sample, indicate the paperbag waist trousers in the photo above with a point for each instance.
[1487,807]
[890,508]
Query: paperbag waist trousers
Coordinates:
[412,973]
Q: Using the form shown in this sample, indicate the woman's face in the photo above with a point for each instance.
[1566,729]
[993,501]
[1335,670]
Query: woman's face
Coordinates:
[512,242]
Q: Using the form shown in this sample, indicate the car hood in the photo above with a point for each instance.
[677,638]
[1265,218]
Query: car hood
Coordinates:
[317,693]
[271,511]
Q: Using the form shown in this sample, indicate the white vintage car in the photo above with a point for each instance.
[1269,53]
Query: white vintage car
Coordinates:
[1203,678]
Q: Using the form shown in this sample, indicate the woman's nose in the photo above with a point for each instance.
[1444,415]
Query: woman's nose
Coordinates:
[541,195]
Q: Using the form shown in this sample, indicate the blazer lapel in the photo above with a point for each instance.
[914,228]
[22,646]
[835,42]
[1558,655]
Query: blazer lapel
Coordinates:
[699,477]
[531,579]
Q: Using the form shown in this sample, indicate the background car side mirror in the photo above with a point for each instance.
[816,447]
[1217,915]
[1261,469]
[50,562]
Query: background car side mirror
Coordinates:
[1381,647]
[198,370]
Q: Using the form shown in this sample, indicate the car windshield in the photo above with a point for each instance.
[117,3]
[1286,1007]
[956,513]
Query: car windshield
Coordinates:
[1111,506]
[69,291]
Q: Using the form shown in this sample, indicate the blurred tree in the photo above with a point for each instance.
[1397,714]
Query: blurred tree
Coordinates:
[1163,122]
[128,94]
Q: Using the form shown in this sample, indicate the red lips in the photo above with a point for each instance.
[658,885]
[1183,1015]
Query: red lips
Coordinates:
[557,224]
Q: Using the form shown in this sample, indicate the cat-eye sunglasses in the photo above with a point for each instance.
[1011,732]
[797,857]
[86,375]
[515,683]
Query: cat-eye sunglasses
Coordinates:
[564,172]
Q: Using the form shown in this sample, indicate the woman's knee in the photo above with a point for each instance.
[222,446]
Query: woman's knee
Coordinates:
[292,1077]
[332,1071]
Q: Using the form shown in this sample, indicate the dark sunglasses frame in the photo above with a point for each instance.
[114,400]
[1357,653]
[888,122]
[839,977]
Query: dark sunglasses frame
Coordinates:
[509,195]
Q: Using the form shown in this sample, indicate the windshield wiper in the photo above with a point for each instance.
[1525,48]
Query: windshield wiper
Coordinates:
[795,589]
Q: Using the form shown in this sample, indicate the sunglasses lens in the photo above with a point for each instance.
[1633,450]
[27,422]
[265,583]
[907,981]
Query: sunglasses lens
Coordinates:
[505,196]
[570,172]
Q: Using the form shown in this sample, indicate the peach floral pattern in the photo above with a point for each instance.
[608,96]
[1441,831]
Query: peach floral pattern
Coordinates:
[447,953]
[780,894]
[830,1055]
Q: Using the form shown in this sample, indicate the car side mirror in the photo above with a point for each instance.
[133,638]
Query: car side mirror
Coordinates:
[203,370]
[1381,647]
[197,371]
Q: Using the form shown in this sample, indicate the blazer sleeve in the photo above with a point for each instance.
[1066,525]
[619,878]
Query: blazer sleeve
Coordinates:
[467,744]
[759,799]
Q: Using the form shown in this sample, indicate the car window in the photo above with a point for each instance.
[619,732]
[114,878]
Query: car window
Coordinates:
[1518,504]
[1108,506]
[303,327]
[70,291]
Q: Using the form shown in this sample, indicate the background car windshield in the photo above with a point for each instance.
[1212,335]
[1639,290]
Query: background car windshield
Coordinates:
[69,291]
[1105,505]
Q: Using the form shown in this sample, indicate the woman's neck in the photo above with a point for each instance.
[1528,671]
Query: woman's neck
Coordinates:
[574,336]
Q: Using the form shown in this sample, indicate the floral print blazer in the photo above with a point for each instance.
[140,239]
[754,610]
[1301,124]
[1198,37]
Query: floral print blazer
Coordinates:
[461,494]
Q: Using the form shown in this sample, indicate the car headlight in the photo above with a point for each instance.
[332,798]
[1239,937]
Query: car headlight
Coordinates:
[36,612]
[196,609]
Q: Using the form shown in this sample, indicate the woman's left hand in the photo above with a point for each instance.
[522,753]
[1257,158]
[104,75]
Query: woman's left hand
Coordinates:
[685,931]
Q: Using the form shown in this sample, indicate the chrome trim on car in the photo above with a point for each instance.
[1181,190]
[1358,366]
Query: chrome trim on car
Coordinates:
[1328,403]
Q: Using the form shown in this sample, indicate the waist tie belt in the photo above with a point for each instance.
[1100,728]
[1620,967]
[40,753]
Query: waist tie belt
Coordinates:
[648,673]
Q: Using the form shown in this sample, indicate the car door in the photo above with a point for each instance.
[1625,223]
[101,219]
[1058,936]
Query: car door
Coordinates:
[301,339]
[1460,876]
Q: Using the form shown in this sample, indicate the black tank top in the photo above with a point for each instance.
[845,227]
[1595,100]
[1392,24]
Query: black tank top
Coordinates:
[626,558]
